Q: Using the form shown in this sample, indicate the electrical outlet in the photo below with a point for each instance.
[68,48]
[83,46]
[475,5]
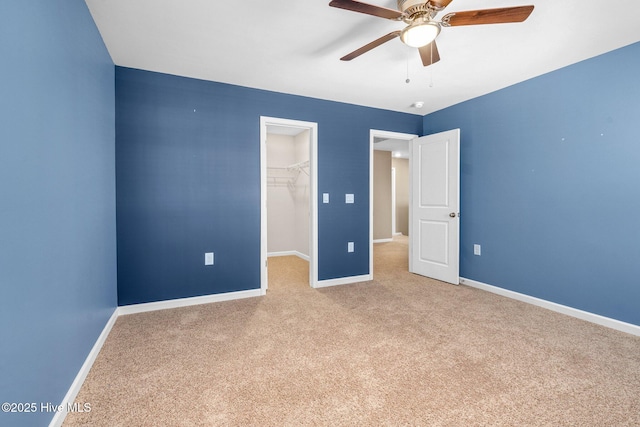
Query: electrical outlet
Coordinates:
[349,198]
[477,250]
[350,247]
[325,197]
[208,258]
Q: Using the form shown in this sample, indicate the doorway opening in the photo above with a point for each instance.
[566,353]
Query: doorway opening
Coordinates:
[389,186]
[288,170]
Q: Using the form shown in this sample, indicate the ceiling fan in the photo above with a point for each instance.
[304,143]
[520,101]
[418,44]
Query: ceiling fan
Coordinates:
[422,28]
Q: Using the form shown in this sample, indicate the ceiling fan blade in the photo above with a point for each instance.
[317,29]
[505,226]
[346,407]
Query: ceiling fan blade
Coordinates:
[429,54]
[487,16]
[369,9]
[366,48]
[440,4]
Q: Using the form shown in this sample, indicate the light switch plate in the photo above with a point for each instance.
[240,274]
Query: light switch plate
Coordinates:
[477,250]
[350,247]
[325,197]
[348,198]
[208,258]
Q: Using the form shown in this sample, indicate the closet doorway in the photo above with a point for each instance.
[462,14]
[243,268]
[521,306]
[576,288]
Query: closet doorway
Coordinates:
[288,165]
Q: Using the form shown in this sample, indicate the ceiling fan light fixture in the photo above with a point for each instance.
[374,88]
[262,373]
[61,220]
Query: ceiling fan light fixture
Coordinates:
[420,33]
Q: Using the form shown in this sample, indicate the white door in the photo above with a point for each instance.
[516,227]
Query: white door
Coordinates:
[434,206]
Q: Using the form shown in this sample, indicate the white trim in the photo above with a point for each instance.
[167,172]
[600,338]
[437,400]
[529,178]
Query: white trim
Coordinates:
[393,199]
[388,135]
[410,229]
[371,138]
[383,240]
[313,191]
[397,234]
[559,308]
[344,280]
[185,302]
[288,253]
[264,277]
[70,397]
[313,206]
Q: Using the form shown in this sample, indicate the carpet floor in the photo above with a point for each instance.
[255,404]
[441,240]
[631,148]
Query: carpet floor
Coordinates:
[400,350]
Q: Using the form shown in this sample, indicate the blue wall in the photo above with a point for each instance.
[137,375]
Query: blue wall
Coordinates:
[188,182]
[550,185]
[549,188]
[57,198]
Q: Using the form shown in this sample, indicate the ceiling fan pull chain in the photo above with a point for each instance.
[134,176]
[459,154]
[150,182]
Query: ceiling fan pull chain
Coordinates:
[408,79]
[431,70]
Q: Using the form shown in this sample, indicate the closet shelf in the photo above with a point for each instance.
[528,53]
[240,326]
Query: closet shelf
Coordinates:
[286,175]
[300,166]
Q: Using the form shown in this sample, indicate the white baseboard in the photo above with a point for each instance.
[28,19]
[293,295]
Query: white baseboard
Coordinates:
[559,308]
[382,240]
[397,234]
[70,397]
[343,281]
[289,253]
[303,256]
[185,302]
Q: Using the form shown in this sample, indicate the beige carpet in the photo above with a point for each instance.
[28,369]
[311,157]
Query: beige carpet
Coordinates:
[401,350]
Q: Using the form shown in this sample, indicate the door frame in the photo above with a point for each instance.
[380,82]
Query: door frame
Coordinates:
[313,191]
[373,133]
[393,199]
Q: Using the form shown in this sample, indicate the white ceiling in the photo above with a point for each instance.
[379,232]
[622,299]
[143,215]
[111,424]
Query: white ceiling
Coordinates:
[294,46]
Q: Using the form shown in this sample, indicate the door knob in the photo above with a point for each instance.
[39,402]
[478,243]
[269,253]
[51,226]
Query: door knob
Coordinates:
[452,214]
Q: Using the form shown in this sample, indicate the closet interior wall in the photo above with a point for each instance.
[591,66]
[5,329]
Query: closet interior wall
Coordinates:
[382,227]
[288,194]
[402,194]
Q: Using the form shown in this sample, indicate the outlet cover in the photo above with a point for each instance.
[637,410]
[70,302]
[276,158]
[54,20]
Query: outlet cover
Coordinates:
[325,197]
[477,250]
[348,198]
[208,258]
[350,247]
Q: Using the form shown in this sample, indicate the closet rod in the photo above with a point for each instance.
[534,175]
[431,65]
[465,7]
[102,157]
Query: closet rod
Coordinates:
[299,165]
